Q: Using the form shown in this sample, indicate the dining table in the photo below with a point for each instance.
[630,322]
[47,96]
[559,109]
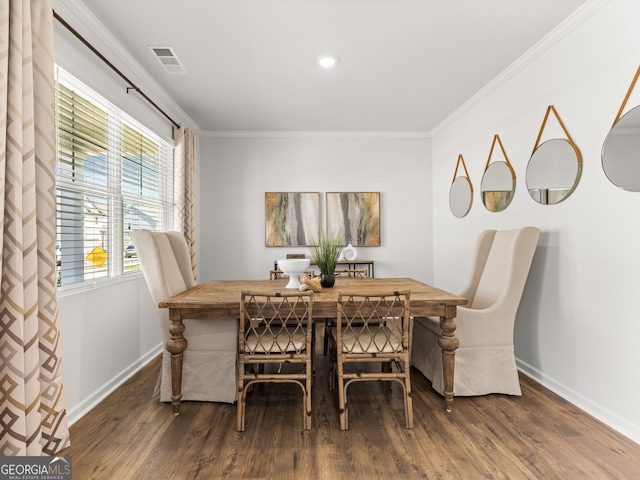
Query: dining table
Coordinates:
[218,299]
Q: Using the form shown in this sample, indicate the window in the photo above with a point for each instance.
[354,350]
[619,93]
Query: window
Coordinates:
[112,176]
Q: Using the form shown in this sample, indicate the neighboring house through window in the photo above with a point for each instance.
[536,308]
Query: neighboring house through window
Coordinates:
[112,176]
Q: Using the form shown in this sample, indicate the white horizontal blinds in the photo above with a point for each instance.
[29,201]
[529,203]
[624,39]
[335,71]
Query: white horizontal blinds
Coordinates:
[82,188]
[145,166]
[112,176]
[140,164]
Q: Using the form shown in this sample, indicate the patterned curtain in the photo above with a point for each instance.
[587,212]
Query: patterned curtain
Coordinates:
[33,411]
[184,193]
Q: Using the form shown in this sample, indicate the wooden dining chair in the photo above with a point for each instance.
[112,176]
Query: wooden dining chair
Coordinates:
[328,324]
[371,329]
[275,329]
[353,273]
[275,274]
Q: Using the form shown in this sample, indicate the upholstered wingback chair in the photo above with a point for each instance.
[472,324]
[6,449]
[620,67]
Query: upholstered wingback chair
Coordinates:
[208,372]
[485,360]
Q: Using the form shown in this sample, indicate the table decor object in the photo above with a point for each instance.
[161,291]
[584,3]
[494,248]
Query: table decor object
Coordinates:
[310,284]
[325,251]
[294,268]
[349,253]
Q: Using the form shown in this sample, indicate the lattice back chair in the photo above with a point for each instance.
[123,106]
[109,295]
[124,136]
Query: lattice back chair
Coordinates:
[275,274]
[353,273]
[328,324]
[371,328]
[275,329]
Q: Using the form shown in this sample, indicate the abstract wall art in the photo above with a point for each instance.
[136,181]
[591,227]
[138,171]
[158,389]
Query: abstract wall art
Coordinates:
[291,218]
[357,215]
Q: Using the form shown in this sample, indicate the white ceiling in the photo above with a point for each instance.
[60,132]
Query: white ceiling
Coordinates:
[404,65]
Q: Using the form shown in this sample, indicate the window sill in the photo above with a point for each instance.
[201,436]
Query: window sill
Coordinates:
[70,290]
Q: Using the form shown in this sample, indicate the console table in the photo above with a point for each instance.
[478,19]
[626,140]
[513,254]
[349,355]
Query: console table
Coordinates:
[369,264]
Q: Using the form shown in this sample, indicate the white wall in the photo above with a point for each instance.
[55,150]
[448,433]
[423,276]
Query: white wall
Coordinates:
[107,334]
[578,327]
[235,173]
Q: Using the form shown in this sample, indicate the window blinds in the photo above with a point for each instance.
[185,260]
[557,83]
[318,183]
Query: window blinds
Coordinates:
[112,176]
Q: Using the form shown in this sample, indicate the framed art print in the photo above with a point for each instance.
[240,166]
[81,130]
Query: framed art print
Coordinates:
[291,218]
[357,215]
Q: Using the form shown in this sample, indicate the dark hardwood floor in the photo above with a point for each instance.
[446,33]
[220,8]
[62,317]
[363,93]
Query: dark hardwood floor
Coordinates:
[537,436]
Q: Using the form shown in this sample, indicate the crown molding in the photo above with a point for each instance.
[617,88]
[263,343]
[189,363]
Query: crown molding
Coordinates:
[552,38]
[85,21]
[313,134]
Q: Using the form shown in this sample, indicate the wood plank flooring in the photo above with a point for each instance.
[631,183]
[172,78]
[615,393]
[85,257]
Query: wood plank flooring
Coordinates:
[130,435]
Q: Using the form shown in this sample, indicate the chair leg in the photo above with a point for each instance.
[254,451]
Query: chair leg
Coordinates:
[307,407]
[240,398]
[332,375]
[332,366]
[342,399]
[409,407]
[313,347]
[241,404]
[408,395]
[325,342]
[408,402]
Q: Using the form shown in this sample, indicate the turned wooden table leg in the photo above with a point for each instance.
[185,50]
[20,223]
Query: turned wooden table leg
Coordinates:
[448,343]
[176,347]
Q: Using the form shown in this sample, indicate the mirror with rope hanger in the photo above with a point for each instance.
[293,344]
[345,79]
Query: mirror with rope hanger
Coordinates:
[498,182]
[461,191]
[555,166]
[621,148]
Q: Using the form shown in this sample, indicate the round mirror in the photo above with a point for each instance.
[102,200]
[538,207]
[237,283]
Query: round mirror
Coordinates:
[621,152]
[497,187]
[553,171]
[460,196]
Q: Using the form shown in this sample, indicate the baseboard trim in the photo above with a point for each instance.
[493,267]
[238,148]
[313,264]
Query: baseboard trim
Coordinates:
[76,413]
[606,416]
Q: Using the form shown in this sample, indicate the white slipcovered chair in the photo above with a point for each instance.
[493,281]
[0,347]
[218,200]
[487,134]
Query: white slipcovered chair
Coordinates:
[208,372]
[485,360]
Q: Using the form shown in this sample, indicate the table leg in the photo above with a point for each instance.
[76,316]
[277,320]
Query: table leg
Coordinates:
[448,343]
[176,347]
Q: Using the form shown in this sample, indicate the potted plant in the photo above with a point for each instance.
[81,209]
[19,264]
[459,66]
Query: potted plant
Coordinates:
[325,251]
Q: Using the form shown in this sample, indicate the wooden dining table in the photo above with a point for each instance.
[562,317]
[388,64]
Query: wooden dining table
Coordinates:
[219,299]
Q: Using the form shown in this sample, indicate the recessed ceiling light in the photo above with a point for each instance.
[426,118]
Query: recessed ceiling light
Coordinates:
[327,61]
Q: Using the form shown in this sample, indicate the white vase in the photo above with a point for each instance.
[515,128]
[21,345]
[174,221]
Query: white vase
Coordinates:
[349,253]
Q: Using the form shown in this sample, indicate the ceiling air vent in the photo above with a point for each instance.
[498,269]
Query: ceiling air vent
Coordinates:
[168,59]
